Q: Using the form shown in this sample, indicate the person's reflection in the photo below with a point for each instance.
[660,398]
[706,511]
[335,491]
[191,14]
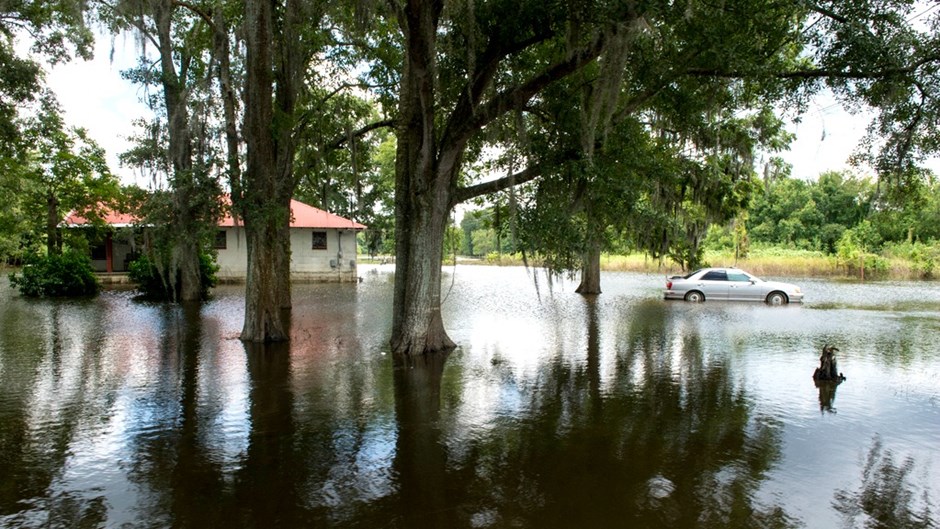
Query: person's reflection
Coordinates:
[827,394]
[267,487]
[420,460]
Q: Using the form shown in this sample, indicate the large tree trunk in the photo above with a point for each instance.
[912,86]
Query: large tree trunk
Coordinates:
[591,269]
[185,259]
[264,320]
[417,326]
[262,210]
[424,186]
[288,76]
[229,103]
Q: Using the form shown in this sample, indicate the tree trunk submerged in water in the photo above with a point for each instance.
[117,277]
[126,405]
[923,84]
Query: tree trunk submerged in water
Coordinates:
[262,211]
[417,326]
[184,264]
[435,125]
[591,270]
[424,187]
[264,320]
[422,205]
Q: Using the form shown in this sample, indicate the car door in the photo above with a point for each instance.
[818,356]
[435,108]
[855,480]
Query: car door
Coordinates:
[742,288]
[714,284]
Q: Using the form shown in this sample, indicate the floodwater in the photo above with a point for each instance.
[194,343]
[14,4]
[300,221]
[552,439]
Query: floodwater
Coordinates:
[555,411]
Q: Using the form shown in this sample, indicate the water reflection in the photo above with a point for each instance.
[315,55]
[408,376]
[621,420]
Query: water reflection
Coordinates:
[268,489]
[888,497]
[556,411]
[827,394]
[665,449]
[420,458]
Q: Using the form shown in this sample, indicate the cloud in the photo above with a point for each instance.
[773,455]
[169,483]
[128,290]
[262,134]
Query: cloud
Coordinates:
[94,96]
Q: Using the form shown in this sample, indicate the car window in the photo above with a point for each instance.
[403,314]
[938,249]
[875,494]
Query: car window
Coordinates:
[738,276]
[715,275]
[692,274]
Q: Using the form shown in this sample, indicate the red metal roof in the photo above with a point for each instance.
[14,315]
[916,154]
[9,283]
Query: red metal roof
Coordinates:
[302,216]
[110,217]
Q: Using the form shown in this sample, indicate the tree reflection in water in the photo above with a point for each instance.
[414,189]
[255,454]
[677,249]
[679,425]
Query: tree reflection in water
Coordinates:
[61,354]
[886,499]
[420,459]
[582,412]
[671,442]
[267,488]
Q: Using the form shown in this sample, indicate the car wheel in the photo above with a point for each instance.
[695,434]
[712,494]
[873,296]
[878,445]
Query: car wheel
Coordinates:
[695,296]
[777,298]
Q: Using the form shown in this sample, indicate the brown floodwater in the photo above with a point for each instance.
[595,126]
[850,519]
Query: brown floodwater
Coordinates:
[556,410]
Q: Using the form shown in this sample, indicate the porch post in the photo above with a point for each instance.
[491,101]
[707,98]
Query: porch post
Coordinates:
[108,253]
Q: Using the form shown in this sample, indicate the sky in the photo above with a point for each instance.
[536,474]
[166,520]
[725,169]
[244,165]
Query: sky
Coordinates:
[94,96]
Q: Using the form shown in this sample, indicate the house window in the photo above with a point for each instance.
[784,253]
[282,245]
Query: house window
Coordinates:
[99,253]
[319,240]
[221,240]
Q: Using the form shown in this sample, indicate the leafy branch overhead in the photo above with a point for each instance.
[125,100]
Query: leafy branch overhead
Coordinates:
[596,123]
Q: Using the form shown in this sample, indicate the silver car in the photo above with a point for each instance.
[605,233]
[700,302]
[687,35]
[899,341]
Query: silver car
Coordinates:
[730,284]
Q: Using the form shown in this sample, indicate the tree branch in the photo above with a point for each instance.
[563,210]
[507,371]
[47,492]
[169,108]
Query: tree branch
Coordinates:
[819,73]
[826,12]
[518,97]
[482,77]
[463,194]
[337,143]
[201,13]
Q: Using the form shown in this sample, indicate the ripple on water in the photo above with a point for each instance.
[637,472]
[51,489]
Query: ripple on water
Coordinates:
[619,407]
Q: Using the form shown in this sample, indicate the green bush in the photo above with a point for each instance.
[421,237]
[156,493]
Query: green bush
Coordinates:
[67,274]
[923,257]
[151,283]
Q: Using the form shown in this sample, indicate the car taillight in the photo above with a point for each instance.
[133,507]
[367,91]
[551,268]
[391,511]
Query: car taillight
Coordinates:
[668,284]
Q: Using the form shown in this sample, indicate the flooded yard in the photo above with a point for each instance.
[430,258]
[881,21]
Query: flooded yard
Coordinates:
[556,410]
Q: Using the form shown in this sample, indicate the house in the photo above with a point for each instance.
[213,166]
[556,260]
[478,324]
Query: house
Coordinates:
[323,245]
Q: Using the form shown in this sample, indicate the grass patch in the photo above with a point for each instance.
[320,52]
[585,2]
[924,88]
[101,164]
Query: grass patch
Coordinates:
[762,261]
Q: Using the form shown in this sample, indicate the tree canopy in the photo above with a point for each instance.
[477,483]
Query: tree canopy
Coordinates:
[601,121]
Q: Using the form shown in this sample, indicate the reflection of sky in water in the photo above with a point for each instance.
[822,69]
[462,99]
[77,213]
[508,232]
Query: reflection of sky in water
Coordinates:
[113,394]
[889,358]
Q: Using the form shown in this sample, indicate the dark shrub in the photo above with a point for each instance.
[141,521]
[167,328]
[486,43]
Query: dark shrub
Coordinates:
[68,274]
[153,283]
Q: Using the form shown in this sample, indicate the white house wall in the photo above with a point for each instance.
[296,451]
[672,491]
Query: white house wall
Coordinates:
[335,263]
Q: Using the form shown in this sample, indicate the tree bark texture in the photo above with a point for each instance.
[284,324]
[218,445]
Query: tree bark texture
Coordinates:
[290,63]
[262,210]
[185,258]
[264,320]
[423,191]
[591,269]
[222,50]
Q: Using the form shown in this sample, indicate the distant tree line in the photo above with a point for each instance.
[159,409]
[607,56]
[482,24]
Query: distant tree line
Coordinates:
[817,214]
[838,214]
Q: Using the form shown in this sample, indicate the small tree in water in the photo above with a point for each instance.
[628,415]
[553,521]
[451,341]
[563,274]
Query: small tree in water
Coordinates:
[67,274]
[151,283]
